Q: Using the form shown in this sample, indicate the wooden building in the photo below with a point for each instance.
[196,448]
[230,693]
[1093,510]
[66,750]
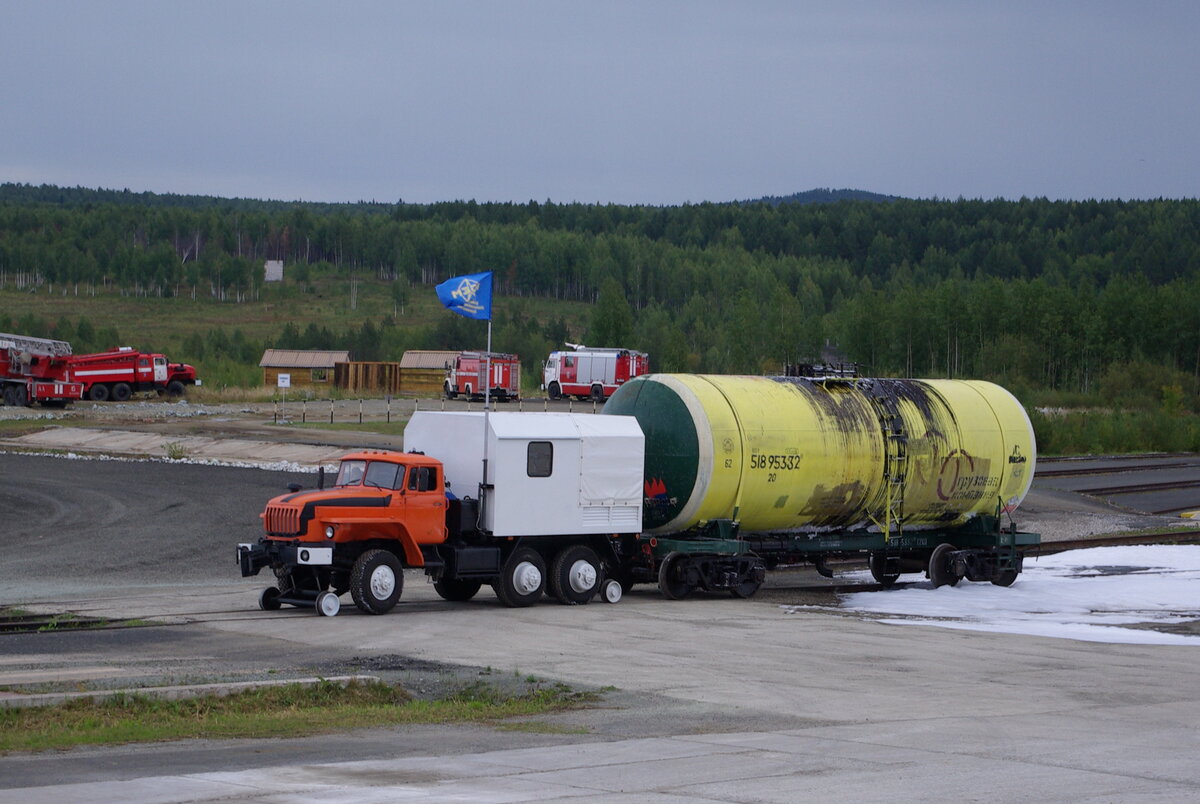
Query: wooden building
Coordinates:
[307,368]
[423,372]
[376,379]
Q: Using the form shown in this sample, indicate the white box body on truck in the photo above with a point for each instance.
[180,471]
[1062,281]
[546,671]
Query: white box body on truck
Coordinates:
[549,474]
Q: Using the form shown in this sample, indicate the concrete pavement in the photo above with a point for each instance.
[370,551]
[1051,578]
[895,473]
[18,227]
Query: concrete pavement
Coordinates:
[850,709]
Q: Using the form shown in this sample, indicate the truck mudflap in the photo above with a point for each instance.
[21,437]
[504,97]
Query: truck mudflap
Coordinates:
[253,557]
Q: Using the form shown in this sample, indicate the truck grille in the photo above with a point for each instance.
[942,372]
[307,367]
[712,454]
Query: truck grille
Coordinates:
[281,520]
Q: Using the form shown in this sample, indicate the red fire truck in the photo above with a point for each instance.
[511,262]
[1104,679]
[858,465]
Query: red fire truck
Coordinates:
[118,373]
[34,370]
[591,373]
[467,375]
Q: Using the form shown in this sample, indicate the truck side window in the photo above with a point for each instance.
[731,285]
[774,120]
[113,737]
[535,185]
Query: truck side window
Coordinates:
[539,459]
[381,474]
[422,478]
[570,361]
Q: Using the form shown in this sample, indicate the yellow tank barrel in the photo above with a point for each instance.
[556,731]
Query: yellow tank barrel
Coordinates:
[786,454]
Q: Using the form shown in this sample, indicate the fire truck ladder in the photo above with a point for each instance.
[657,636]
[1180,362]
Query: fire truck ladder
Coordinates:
[37,346]
[895,462]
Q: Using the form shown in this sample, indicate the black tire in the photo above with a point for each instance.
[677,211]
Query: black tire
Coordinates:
[522,578]
[1006,578]
[175,388]
[8,395]
[597,393]
[670,582]
[121,392]
[450,394]
[554,391]
[269,599]
[21,397]
[940,573]
[575,575]
[878,565]
[98,392]
[376,581]
[456,589]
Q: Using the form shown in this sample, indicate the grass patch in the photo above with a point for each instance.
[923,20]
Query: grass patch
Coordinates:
[15,428]
[175,450]
[291,710]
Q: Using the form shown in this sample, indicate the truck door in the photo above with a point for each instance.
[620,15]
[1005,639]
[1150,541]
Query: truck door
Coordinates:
[425,503]
[160,370]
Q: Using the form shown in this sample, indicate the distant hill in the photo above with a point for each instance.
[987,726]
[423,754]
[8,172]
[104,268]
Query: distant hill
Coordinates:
[822,195]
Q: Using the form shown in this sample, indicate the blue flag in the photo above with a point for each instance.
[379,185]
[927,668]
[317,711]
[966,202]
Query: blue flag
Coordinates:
[469,296]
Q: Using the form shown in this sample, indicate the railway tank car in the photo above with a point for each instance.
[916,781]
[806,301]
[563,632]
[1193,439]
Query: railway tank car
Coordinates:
[766,470]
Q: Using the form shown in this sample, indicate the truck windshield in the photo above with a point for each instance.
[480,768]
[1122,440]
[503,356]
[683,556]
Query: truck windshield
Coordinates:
[351,473]
[384,475]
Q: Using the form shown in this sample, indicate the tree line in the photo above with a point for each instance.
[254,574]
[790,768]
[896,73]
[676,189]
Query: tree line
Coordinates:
[1067,296]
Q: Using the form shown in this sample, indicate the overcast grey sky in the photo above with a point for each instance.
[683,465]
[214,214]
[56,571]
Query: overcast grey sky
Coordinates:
[626,102]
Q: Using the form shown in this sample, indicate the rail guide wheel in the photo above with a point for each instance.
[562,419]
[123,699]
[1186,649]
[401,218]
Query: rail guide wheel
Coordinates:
[328,604]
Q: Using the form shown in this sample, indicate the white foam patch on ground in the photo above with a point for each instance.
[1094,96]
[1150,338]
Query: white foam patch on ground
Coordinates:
[1093,595]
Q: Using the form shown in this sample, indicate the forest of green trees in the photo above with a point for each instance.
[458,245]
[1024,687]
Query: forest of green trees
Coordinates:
[1054,299]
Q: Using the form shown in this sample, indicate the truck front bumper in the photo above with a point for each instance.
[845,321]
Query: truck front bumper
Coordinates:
[270,553]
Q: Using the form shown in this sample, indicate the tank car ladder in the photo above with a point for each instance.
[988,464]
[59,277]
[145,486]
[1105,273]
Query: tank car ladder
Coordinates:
[895,463]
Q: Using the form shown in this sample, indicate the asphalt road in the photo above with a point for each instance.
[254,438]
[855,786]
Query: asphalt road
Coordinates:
[84,527]
[715,699]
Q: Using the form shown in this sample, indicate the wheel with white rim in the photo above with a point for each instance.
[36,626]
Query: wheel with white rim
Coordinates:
[611,591]
[522,578]
[328,604]
[575,575]
[376,581]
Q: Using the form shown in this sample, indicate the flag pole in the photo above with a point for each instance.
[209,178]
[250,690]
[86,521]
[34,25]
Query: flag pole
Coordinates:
[487,405]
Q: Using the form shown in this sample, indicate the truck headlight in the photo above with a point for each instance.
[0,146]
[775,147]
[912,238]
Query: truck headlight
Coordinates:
[329,531]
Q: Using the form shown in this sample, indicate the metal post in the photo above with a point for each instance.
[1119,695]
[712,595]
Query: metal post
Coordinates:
[331,410]
[304,411]
[360,410]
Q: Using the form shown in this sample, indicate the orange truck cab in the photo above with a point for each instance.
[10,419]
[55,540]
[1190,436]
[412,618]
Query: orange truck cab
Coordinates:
[384,511]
